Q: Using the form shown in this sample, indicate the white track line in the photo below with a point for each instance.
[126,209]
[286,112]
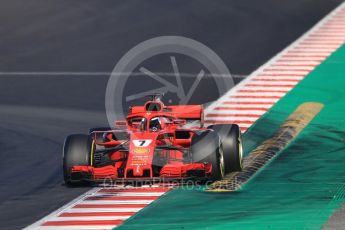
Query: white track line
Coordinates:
[89,217]
[101,202]
[76,227]
[273,91]
[231,112]
[88,210]
[129,194]
[244,100]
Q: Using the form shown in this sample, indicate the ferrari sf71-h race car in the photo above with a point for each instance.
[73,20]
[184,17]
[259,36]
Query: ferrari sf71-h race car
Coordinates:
[154,143]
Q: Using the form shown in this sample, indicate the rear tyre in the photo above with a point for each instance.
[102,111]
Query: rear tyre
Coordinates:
[206,148]
[230,136]
[76,151]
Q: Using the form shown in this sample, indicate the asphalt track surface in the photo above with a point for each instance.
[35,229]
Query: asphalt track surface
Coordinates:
[38,111]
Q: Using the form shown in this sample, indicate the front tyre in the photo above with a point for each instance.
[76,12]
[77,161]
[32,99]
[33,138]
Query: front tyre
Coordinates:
[76,151]
[206,148]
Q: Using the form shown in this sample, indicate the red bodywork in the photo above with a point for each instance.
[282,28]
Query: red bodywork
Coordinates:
[137,150]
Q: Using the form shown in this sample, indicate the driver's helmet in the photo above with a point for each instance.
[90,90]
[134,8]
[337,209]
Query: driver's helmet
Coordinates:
[155,124]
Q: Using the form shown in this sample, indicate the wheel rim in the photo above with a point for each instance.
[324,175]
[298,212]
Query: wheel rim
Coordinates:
[240,151]
[221,161]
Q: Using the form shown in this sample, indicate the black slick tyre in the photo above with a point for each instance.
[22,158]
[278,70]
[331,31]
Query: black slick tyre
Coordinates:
[76,151]
[206,148]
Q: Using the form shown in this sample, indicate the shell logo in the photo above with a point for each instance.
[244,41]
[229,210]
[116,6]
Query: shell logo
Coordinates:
[139,150]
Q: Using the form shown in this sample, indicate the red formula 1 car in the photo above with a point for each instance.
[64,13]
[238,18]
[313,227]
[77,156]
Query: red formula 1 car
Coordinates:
[154,143]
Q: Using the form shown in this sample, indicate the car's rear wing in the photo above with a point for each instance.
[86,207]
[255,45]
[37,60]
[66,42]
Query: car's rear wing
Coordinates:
[194,112]
[186,112]
[190,113]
